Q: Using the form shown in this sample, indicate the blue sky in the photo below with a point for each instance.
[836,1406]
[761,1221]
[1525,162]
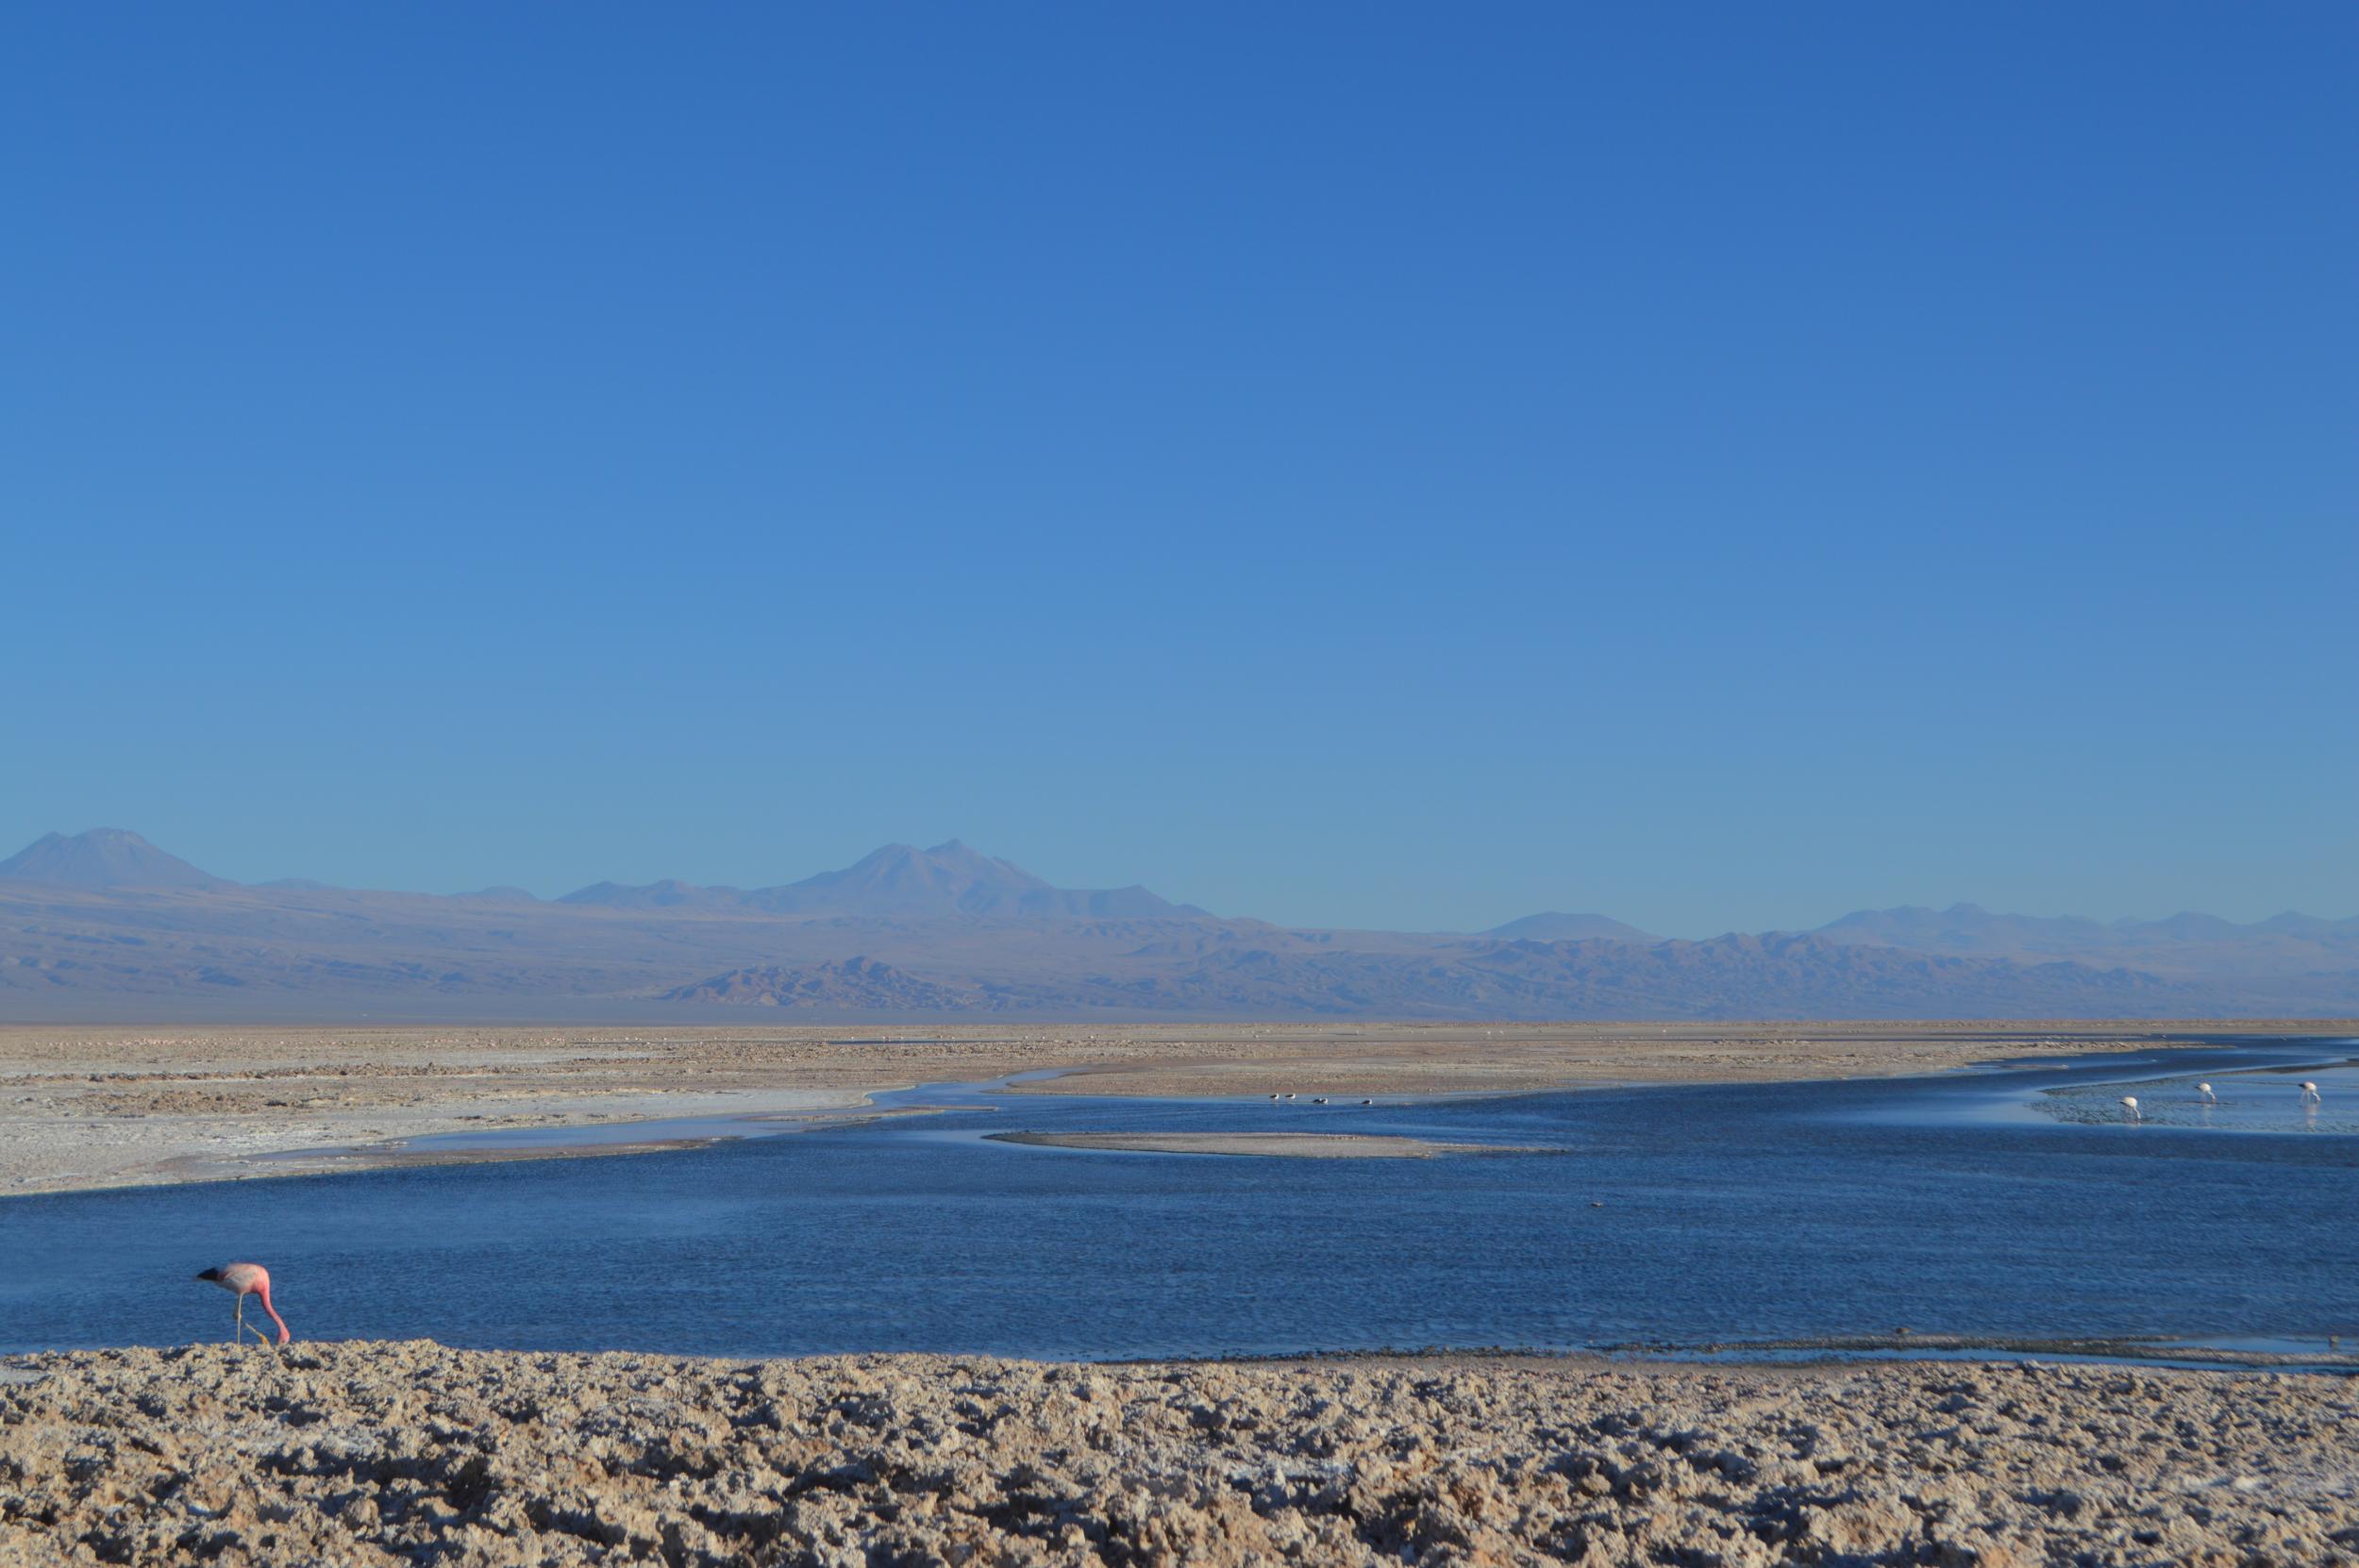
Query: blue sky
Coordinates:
[1353,464]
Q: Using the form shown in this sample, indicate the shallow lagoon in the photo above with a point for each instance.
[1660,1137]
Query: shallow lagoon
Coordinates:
[2008,1205]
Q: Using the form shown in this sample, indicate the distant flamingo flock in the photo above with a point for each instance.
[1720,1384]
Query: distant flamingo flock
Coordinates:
[2204,1094]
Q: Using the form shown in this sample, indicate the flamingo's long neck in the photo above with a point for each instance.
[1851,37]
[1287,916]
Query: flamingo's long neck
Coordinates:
[284,1335]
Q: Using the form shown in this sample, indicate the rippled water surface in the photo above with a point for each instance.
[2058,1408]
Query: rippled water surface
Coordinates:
[2003,1204]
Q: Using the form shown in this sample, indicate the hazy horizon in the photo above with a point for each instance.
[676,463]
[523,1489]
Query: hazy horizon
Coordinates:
[1346,465]
[556,893]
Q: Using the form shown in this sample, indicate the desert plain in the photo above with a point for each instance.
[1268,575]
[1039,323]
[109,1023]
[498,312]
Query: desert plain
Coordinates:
[89,1107]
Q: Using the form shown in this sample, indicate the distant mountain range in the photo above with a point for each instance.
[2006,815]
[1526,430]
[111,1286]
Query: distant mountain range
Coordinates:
[105,926]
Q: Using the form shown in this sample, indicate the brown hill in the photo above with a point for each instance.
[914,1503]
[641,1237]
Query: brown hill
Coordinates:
[2182,946]
[855,984]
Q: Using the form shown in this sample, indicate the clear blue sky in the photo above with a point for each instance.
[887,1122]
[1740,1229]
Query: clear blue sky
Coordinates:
[1721,465]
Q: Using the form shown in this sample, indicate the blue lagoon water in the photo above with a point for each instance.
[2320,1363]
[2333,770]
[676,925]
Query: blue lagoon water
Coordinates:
[2003,1205]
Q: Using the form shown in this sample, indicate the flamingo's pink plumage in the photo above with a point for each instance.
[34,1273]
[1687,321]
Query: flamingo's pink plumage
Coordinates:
[247,1280]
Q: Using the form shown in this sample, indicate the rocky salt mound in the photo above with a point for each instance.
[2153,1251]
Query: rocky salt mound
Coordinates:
[383,1453]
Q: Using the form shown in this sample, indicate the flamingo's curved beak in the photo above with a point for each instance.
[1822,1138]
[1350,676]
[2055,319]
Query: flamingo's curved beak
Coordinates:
[213,1275]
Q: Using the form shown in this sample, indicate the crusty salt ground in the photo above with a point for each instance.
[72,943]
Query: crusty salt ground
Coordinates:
[401,1453]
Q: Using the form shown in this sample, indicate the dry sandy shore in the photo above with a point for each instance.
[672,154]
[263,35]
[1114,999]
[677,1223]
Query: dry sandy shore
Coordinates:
[82,1107]
[1293,1145]
[383,1454]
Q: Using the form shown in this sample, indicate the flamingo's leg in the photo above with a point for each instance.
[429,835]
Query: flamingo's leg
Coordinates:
[238,1333]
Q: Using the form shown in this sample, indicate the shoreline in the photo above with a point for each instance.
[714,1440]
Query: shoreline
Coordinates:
[1263,1145]
[1828,1353]
[379,1453]
[90,1110]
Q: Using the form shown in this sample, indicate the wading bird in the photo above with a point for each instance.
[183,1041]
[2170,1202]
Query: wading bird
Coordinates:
[2130,1104]
[2205,1090]
[2309,1093]
[242,1280]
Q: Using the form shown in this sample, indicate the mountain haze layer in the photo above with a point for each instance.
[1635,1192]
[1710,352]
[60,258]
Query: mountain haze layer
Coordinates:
[900,882]
[1552,926]
[105,926]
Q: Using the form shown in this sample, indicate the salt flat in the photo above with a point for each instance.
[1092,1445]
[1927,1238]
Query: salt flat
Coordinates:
[93,1107]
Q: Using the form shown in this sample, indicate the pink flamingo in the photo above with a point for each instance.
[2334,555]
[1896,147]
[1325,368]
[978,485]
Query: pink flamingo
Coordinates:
[242,1280]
